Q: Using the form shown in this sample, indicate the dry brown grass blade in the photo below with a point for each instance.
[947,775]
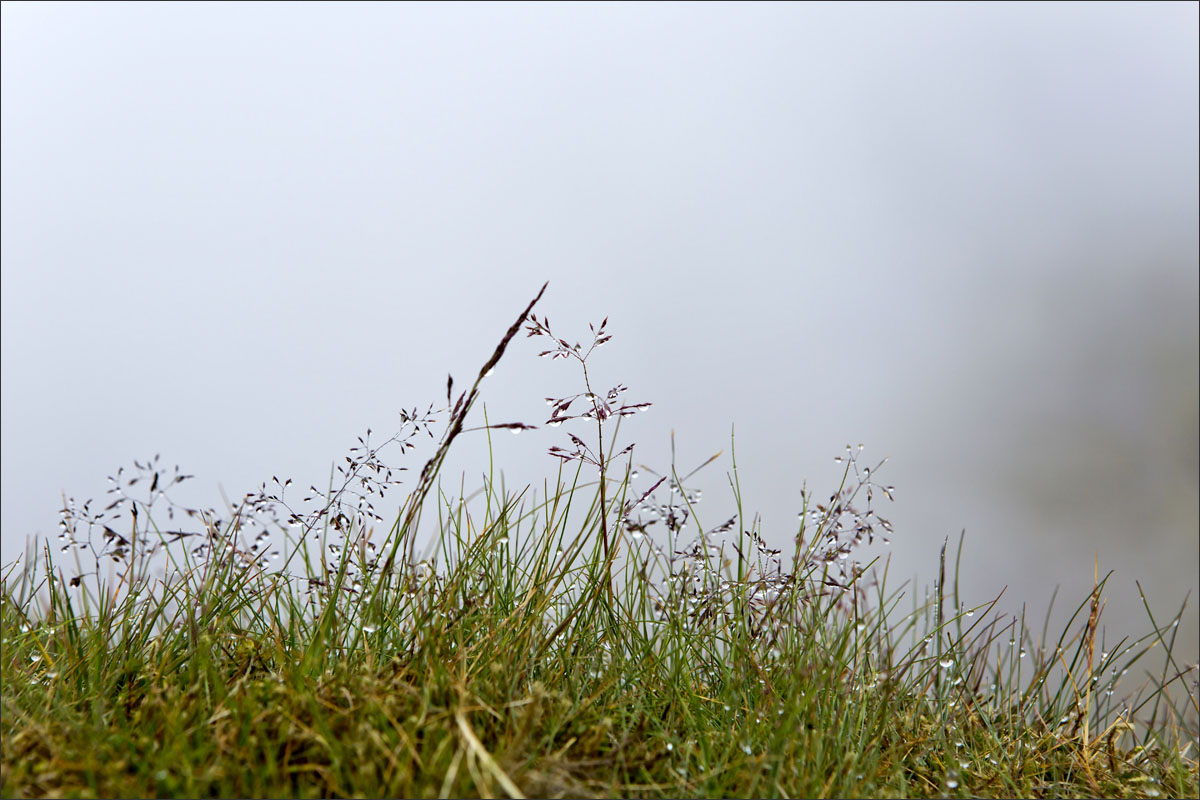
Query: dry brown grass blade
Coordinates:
[485,758]
[455,427]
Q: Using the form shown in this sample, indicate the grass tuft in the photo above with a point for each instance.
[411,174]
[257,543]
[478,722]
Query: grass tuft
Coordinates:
[592,642]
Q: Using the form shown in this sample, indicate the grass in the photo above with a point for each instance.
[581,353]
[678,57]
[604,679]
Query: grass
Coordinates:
[593,642]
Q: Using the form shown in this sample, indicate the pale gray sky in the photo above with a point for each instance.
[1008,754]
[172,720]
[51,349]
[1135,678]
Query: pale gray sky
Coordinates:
[966,235]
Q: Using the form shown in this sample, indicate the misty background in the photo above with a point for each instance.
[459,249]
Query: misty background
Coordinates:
[963,235]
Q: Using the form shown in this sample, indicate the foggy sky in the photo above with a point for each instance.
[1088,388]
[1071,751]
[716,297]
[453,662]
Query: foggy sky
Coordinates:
[964,235]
